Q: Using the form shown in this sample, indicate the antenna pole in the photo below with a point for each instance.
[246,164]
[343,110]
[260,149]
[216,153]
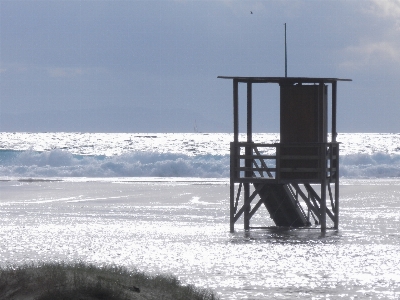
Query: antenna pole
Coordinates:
[285,53]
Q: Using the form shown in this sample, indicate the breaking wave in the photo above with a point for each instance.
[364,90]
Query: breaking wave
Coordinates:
[62,163]
[378,165]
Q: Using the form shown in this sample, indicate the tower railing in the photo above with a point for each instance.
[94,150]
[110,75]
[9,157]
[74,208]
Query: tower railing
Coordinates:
[284,163]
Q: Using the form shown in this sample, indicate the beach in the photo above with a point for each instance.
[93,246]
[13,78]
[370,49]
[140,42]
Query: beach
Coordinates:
[181,227]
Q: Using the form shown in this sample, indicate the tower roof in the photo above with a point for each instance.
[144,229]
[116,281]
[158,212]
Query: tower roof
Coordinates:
[288,80]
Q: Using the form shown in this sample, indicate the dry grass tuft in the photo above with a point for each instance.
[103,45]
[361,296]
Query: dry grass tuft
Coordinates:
[60,281]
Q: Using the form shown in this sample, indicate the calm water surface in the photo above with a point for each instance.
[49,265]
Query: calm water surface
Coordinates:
[182,228]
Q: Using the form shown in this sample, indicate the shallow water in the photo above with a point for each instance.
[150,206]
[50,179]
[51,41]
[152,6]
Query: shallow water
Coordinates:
[182,227]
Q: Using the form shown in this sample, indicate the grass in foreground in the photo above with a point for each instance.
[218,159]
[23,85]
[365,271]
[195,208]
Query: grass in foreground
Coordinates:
[60,281]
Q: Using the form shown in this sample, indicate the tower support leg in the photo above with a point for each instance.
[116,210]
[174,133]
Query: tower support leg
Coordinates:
[336,222]
[323,189]
[246,213]
[232,207]
[323,206]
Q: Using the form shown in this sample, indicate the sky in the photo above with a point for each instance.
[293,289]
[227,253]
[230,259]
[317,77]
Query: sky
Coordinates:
[152,66]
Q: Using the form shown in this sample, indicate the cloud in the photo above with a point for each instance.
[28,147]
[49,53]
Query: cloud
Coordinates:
[371,53]
[386,8]
[14,68]
[54,72]
[379,42]
[65,72]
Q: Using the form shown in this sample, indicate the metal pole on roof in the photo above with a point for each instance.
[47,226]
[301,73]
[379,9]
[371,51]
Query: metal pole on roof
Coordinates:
[285,53]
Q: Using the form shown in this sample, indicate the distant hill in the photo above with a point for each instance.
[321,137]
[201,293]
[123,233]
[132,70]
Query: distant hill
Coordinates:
[112,119]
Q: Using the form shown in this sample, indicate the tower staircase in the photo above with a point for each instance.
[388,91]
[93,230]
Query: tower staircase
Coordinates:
[282,205]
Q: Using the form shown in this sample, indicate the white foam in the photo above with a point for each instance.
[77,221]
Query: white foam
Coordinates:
[170,155]
[61,163]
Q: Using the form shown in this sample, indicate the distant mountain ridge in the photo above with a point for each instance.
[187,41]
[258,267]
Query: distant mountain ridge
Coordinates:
[112,119]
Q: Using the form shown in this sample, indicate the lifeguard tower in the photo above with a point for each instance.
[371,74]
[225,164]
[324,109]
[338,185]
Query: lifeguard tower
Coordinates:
[294,178]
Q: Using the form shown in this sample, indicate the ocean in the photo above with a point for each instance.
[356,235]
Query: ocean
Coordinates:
[203,155]
[160,203]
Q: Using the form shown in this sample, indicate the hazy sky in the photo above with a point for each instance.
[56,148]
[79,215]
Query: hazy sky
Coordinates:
[157,62]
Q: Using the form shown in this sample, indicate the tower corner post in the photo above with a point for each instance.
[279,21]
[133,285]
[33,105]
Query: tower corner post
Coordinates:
[323,188]
[336,212]
[232,188]
[248,162]
[233,154]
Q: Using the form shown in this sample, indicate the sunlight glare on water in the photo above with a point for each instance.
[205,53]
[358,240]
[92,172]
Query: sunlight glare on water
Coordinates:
[182,229]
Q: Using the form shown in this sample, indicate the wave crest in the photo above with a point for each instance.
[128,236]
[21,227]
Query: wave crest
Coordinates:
[62,163]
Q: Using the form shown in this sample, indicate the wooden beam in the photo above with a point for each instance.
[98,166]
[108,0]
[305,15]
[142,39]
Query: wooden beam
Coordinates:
[323,205]
[248,162]
[256,207]
[250,199]
[264,165]
[315,195]
[232,209]
[249,113]
[235,111]
[252,169]
[306,200]
[336,222]
[334,107]
[331,197]
[271,157]
[238,196]
[260,172]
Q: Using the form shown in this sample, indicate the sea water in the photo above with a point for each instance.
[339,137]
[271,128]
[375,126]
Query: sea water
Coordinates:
[147,201]
[203,155]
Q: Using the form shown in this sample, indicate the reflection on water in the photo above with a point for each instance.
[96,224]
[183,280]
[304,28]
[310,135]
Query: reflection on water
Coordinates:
[183,229]
[281,235]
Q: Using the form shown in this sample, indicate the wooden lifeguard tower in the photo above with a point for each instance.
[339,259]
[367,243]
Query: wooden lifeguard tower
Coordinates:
[292,178]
